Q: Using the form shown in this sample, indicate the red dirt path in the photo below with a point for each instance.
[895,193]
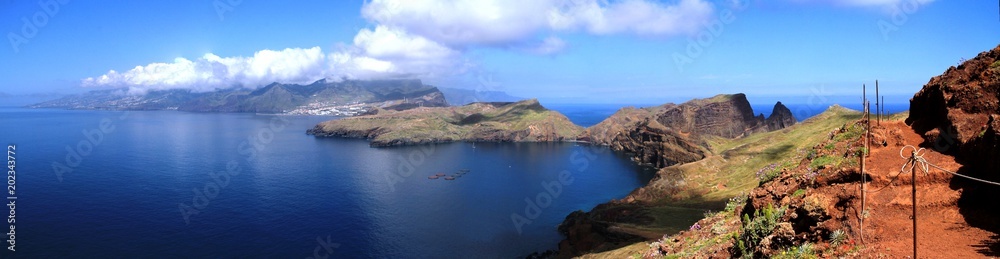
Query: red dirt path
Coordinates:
[943,232]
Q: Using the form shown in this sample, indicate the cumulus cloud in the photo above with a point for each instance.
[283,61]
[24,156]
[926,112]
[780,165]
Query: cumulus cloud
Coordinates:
[385,42]
[294,65]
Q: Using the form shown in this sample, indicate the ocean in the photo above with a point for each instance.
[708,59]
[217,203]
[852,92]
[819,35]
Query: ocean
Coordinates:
[167,184]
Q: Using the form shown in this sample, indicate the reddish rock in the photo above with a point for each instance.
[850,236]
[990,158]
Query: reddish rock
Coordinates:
[957,113]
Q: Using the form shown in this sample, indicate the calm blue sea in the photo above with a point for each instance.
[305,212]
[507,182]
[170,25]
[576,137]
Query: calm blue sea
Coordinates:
[108,184]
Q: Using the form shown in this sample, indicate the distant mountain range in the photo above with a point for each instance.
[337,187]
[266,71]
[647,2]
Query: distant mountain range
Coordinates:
[320,97]
[348,97]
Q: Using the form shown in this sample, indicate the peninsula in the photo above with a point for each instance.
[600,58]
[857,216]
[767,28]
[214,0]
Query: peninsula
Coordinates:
[524,121]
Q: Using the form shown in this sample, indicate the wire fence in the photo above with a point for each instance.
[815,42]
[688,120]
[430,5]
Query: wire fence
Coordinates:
[914,160]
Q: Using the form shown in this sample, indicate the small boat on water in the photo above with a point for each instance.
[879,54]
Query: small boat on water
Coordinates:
[464,170]
[440,174]
[433,177]
[449,178]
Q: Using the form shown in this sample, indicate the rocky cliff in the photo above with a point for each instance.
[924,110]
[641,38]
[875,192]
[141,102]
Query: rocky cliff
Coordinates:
[669,134]
[958,113]
[727,116]
[524,121]
[781,117]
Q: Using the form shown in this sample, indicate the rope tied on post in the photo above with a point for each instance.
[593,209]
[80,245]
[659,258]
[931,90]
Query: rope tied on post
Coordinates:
[915,157]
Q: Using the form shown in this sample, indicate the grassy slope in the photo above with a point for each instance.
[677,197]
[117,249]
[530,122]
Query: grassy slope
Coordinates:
[733,163]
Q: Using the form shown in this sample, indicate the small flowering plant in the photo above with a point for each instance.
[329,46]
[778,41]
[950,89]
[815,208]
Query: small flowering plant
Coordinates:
[767,173]
[696,226]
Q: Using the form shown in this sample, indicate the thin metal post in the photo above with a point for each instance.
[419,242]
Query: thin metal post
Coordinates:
[913,188]
[862,158]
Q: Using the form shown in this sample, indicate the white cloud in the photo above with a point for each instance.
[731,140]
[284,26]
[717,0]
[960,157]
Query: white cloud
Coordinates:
[210,71]
[462,23]
[633,16]
[385,42]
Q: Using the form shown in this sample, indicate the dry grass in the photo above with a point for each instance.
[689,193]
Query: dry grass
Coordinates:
[735,162]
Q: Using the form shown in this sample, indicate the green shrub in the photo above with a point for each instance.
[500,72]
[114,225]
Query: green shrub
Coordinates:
[799,193]
[754,230]
[852,132]
[806,250]
[837,237]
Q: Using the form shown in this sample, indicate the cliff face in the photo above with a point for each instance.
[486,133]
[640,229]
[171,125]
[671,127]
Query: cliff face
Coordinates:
[958,113]
[781,117]
[669,134]
[524,121]
[727,116]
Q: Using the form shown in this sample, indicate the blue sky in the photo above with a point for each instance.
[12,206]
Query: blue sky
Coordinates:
[583,51]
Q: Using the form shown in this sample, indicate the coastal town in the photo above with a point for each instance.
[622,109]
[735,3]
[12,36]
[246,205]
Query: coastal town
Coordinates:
[331,109]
